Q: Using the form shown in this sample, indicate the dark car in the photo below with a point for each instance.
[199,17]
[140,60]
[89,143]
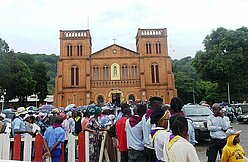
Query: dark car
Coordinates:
[198,114]
[243,116]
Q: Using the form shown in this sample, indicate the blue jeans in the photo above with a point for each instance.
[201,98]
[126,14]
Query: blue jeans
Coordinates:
[56,155]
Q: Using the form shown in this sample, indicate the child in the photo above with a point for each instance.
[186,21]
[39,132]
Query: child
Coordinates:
[53,137]
[233,152]
[178,149]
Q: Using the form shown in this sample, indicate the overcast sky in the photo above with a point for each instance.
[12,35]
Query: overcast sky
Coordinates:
[33,25]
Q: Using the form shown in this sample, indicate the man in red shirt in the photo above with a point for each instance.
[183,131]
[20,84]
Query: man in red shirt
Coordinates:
[121,134]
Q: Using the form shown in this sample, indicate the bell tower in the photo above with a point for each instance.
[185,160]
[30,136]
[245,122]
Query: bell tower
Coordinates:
[155,64]
[72,82]
[75,43]
[152,42]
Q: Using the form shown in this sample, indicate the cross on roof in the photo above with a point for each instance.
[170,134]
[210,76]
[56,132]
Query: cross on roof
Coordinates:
[114,40]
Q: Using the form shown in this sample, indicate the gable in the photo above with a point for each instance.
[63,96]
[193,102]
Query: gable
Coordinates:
[115,51]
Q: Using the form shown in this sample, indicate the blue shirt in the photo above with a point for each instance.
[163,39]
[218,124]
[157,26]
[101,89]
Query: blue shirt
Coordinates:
[19,124]
[216,125]
[54,135]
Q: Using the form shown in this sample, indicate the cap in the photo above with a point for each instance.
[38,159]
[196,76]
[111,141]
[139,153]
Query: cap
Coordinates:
[216,105]
[156,115]
[230,132]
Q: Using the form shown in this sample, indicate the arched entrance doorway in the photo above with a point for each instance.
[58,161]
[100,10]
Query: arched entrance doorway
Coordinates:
[131,97]
[100,99]
[116,97]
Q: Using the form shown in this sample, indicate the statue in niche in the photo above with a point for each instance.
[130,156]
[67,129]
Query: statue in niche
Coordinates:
[114,71]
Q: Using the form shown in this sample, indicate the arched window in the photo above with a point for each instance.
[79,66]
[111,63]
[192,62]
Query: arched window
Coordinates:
[74,76]
[148,48]
[95,73]
[100,99]
[77,76]
[124,70]
[158,48]
[134,72]
[131,97]
[105,72]
[69,50]
[79,50]
[155,73]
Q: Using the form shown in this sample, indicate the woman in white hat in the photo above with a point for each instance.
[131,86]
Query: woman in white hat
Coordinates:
[18,126]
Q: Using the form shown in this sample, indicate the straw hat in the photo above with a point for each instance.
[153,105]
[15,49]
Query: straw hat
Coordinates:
[21,110]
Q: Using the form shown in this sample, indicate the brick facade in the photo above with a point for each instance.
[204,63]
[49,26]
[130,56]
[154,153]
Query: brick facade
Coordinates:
[114,74]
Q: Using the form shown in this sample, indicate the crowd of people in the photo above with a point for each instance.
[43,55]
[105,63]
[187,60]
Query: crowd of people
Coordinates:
[153,132]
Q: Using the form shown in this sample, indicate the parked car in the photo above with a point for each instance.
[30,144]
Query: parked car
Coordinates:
[243,115]
[198,114]
[8,119]
[9,114]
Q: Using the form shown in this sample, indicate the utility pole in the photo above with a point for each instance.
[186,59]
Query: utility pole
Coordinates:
[228,93]
[4,93]
[193,96]
[36,102]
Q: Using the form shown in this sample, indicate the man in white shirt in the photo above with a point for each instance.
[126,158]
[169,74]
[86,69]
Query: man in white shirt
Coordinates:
[135,143]
[217,126]
[155,103]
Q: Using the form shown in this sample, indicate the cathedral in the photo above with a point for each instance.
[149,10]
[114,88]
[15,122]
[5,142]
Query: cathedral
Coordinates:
[113,74]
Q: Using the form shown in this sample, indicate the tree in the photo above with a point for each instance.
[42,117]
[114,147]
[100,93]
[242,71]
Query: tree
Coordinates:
[50,61]
[224,61]
[4,47]
[186,80]
[20,81]
[41,78]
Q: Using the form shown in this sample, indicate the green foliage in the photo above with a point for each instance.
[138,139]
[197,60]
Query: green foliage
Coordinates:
[4,47]
[24,74]
[50,61]
[186,80]
[224,61]
[41,77]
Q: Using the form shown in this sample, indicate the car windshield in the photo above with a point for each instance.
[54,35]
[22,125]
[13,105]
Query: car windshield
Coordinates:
[244,108]
[197,111]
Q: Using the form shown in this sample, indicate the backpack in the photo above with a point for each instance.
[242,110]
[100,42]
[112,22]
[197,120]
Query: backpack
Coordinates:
[78,125]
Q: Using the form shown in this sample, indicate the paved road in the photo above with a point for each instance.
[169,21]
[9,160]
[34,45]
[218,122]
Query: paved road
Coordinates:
[202,146]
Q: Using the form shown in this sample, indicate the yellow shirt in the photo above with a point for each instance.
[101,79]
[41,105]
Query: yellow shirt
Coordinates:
[232,153]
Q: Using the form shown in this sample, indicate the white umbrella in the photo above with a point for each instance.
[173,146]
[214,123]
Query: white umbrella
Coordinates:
[70,107]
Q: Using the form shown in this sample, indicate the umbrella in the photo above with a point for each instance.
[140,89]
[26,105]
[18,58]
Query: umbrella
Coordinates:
[70,107]
[8,111]
[31,108]
[47,107]
[81,108]
[90,106]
